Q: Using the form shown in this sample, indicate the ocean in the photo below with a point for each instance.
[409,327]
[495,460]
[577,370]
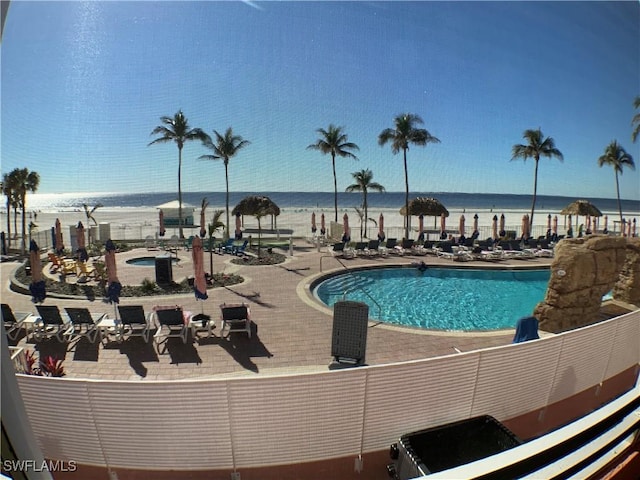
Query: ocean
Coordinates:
[320,200]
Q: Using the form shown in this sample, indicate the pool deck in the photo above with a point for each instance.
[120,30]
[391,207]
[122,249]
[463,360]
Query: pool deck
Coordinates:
[291,332]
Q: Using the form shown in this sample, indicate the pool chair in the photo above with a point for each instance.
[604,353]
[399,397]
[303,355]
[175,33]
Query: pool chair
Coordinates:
[85,324]
[225,247]
[372,248]
[133,323]
[544,249]
[360,248]
[338,249]
[61,265]
[388,247]
[405,247]
[171,322]
[150,243]
[85,270]
[51,324]
[13,322]
[188,243]
[235,317]
[240,250]
[526,329]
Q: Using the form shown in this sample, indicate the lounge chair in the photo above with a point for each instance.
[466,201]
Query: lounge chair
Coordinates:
[85,324]
[133,322]
[171,323]
[372,248]
[174,243]
[406,247]
[51,324]
[225,247]
[360,248]
[240,250]
[13,322]
[85,270]
[61,265]
[188,243]
[235,318]
[389,246]
[150,243]
[338,249]
[544,249]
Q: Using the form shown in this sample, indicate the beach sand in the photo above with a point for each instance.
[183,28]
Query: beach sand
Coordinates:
[139,223]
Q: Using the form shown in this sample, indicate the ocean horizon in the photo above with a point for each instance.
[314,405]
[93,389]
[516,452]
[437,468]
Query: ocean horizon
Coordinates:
[44,202]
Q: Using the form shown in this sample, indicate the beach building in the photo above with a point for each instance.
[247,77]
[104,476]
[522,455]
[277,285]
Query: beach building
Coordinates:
[171,211]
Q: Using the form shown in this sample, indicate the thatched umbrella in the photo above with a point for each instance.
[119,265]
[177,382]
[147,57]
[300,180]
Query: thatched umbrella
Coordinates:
[257,206]
[428,206]
[583,208]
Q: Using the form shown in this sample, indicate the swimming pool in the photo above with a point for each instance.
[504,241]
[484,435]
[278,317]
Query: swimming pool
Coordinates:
[441,298]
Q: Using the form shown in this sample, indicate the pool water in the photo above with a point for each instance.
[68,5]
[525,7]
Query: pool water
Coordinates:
[148,261]
[441,298]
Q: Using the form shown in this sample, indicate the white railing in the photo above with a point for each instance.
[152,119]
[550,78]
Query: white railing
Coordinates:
[272,420]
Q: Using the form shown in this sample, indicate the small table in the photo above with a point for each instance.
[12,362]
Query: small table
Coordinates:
[198,324]
[110,326]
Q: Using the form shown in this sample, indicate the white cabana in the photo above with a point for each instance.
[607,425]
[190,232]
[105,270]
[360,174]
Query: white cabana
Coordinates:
[171,215]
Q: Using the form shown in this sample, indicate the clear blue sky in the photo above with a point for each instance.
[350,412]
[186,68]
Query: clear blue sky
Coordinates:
[84,84]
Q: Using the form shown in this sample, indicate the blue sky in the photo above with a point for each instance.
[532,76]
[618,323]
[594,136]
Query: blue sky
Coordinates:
[85,83]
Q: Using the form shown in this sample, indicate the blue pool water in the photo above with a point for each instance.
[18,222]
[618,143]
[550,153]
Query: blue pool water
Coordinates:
[441,298]
[148,261]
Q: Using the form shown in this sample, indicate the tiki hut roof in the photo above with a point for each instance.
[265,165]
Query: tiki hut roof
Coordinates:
[425,206]
[256,204]
[581,207]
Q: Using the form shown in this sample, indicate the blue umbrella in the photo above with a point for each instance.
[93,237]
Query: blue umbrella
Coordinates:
[37,287]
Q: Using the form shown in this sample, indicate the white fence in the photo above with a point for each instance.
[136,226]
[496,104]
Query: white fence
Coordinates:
[272,420]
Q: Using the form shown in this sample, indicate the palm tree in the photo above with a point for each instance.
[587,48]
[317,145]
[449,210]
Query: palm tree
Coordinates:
[537,146]
[212,228]
[8,185]
[176,129]
[364,183]
[615,156]
[405,133]
[226,146]
[26,181]
[636,120]
[334,141]
[89,214]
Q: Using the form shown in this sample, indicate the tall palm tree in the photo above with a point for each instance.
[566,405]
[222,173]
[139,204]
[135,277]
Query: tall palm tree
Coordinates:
[335,142]
[26,181]
[537,146]
[364,183]
[226,147]
[636,120]
[176,129]
[401,136]
[615,156]
[8,187]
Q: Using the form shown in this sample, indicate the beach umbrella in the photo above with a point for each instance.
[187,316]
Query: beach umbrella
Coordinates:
[461,225]
[346,236]
[238,227]
[524,226]
[381,235]
[633,230]
[59,245]
[83,256]
[606,222]
[443,223]
[554,225]
[37,286]
[475,223]
[114,286]
[495,227]
[549,222]
[162,229]
[502,223]
[323,230]
[200,282]
[420,224]
[313,223]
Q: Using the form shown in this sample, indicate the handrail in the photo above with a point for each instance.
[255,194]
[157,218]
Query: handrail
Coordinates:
[356,287]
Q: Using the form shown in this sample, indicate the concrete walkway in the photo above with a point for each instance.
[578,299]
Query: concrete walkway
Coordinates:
[292,332]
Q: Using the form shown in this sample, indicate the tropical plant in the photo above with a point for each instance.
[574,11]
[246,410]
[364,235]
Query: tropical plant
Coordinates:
[401,136]
[258,207]
[49,367]
[176,129]
[636,120]
[226,147]
[537,146]
[90,218]
[214,226]
[335,142]
[24,182]
[364,183]
[616,157]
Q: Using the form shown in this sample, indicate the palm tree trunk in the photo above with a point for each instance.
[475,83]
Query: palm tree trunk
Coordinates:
[335,187]
[180,192]
[535,191]
[406,196]
[24,229]
[366,214]
[8,223]
[226,179]
[618,193]
[259,236]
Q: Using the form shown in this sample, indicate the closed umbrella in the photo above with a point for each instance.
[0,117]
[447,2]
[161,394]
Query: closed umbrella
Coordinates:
[475,225]
[502,233]
[313,223]
[461,225]
[114,286]
[37,287]
[238,227]
[606,222]
[83,256]
[633,229]
[381,235]
[420,226]
[162,229]
[443,225]
[203,226]
[554,225]
[495,227]
[346,236]
[323,229]
[200,282]
[525,226]
[549,222]
[59,244]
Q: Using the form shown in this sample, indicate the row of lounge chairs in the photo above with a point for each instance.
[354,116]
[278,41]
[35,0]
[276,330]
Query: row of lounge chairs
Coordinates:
[474,250]
[168,321]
